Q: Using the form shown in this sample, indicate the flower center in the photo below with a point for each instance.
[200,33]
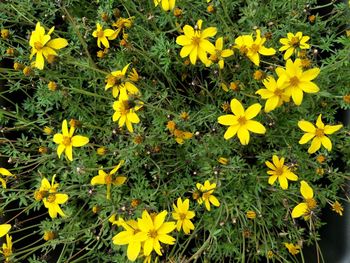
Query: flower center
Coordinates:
[7,252]
[206,195]
[125,108]
[100,34]
[38,45]
[196,40]
[111,80]
[278,92]
[51,198]
[242,120]
[319,132]
[108,179]
[66,140]
[294,81]
[255,48]
[279,171]
[243,49]
[294,41]
[182,216]
[152,233]
[311,203]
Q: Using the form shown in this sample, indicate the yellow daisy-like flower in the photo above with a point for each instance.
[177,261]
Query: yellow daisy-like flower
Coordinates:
[121,24]
[52,200]
[181,136]
[121,84]
[280,171]
[220,54]
[317,134]
[207,194]
[103,35]
[293,249]
[43,46]
[305,208]
[154,230]
[297,81]
[253,48]
[273,94]
[292,43]
[240,122]
[7,248]
[125,112]
[167,5]
[6,173]
[107,179]
[4,229]
[183,215]
[66,141]
[129,237]
[338,208]
[195,43]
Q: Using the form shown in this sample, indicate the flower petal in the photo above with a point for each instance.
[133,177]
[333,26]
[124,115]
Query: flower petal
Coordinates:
[243,135]
[252,111]
[326,142]
[237,107]
[231,131]
[329,129]
[306,126]
[255,127]
[315,145]
[228,119]
[57,43]
[305,190]
[78,140]
[299,210]
[306,137]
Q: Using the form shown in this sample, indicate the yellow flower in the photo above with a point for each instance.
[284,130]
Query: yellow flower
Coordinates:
[241,122]
[183,215]
[181,136]
[129,237]
[252,48]
[318,134]
[305,209]
[220,54]
[52,199]
[292,43]
[251,214]
[49,235]
[101,151]
[223,160]
[274,94]
[207,190]
[195,43]
[4,229]
[338,208]
[103,35]
[5,33]
[155,230]
[185,116]
[121,24]
[52,85]
[7,248]
[4,172]
[42,46]
[296,80]
[125,112]
[66,141]
[120,84]
[109,179]
[293,249]
[47,130]
[166,4]
[280,171]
